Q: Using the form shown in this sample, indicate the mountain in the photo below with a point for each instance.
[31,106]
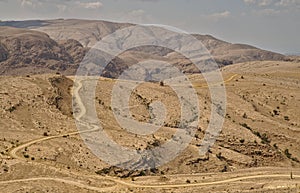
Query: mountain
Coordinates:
[27,51]
[226,53]
[40,46]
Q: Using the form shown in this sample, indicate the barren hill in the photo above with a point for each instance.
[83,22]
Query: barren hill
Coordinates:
[63,43]
[228,53]
[90,32]
[39,143]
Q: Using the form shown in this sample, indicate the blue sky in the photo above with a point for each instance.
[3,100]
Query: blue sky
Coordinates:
[268,24]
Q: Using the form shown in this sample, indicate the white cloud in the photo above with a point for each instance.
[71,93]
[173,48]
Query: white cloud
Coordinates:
[279,3]
[31,3]
[61,5]
[260,3]
[272,7]
[62,8]
[267,12]
[286,3]
[263,3]
[218,16]
[249,1]
[137,16]
[90,5]
[137,12]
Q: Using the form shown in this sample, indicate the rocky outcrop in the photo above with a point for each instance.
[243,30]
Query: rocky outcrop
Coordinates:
[61,97]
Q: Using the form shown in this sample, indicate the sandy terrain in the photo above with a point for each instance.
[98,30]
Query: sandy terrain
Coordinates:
[257,151]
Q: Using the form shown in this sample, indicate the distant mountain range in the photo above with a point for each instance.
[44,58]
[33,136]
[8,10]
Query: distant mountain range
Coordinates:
[46,46]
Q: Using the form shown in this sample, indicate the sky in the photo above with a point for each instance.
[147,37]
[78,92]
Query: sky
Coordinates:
[268,24]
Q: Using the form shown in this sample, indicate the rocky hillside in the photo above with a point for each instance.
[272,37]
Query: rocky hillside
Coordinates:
[228,53]
[27,51]
[39,46]
[90,32]
[261,127]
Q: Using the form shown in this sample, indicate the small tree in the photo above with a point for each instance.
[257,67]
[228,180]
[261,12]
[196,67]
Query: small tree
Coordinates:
[161,83]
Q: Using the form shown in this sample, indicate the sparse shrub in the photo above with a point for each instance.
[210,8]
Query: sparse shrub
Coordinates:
[104,171]
[225,169]
[287,153]
[246,126]
[156,143]
[142,173]
[219,155]
[5,169]
[45,134]
[276,112]
[161,83]
[154,170]
[257,134]
[11,109]
[286,118]
[265,139]
[242,140]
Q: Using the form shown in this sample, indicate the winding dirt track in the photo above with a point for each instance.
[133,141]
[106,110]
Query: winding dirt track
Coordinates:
[13,154]
[123,182]
[70,182]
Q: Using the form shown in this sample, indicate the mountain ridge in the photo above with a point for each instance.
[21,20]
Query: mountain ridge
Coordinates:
[60,45]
